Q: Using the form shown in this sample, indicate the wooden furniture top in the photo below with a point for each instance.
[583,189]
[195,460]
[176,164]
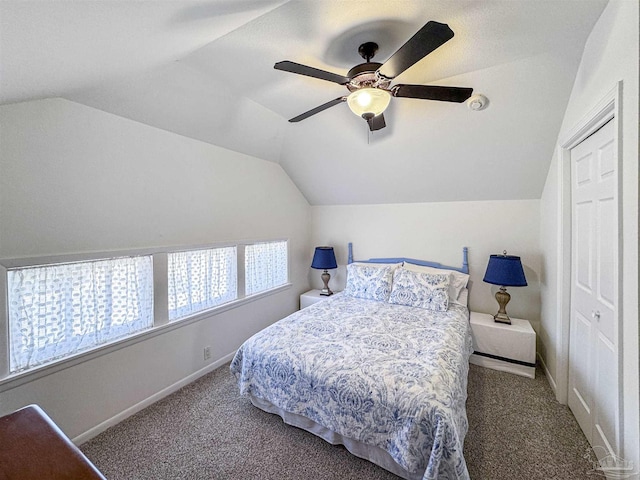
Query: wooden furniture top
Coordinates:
[32,447]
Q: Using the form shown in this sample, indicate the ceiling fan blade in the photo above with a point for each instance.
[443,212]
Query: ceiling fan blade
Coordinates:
[319,109]
[432,92]
[300,69]
[425,41]
[377,122]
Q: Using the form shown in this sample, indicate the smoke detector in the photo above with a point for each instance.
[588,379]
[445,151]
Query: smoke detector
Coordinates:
[477,102]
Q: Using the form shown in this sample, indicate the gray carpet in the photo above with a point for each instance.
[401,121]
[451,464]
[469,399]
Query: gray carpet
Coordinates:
[207,431]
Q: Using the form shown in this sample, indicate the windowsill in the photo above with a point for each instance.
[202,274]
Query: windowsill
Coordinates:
[17,379]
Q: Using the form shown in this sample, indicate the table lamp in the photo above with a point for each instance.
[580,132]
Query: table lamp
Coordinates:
[324,259]
[506,271]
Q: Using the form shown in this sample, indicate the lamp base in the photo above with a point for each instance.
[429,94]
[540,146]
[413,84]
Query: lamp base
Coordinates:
[500,318]
[503,298]
[326,291]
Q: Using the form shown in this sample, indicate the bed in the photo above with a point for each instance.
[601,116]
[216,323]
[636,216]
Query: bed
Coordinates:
[380,367]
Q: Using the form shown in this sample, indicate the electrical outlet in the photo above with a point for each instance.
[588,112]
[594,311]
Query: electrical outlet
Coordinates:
[207,353]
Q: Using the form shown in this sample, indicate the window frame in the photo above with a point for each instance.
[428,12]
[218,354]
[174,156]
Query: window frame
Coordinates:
[143,266]
[161,324]
[200,250]
[288,272]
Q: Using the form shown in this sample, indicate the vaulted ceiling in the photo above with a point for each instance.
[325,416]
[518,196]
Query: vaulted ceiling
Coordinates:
[204,69]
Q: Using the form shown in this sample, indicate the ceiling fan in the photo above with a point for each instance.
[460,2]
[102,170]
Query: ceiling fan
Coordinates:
[370,82]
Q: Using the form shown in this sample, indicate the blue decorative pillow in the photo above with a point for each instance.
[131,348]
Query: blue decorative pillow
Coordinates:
[369,282]
[424,290]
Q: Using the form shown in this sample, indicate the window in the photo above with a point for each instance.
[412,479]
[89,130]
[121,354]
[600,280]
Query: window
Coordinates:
[265,266]
[201,279]
[58,310]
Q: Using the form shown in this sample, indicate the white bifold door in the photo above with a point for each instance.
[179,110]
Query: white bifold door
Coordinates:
[593,351]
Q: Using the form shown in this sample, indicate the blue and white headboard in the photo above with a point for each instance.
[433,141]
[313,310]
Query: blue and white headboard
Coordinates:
[463,269]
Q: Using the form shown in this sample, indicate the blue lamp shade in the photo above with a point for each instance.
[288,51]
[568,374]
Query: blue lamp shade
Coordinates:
[506,271]
[324,258]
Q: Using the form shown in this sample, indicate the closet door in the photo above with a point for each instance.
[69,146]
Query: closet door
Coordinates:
[593,351]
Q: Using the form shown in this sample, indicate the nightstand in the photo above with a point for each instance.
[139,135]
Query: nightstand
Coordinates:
[311,297]
[509,348]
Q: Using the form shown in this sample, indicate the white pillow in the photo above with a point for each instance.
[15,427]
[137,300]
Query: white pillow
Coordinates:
[457,281]
[463,298]
[424,290]
[369,282]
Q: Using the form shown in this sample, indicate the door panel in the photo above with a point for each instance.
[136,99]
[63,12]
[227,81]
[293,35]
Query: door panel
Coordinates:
[606,160]
[583,228]
[580,359]
[593,348]
[606,413]
[583,168]
[604,262]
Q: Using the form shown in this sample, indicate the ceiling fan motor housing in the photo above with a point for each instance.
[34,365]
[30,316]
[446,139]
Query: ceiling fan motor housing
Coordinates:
[364,75]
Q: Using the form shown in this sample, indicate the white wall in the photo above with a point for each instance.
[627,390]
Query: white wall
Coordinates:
[437,232]
[75,179]
[610,55]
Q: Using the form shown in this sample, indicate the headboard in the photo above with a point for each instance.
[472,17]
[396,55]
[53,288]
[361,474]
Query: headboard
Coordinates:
[463,269]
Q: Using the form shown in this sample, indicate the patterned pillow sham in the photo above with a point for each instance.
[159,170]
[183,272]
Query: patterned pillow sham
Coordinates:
[457,280]
[393,266]
[423,290]
[369,282]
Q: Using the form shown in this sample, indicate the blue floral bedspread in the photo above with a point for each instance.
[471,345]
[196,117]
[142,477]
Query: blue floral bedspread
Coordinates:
[385,375]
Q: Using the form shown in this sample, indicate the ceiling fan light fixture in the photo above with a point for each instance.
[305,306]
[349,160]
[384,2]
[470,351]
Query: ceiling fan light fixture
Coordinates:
[368,101]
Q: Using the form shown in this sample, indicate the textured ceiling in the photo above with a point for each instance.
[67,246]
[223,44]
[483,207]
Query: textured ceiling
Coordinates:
[204,69]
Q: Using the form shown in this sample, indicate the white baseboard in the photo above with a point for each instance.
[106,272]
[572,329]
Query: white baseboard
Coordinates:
[550,378]
[98,429]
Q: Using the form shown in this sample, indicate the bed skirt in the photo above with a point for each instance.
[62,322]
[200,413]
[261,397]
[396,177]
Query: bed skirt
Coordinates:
[368,452]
